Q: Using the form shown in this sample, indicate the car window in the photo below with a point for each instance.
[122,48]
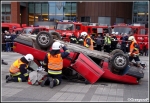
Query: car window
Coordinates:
[35,31]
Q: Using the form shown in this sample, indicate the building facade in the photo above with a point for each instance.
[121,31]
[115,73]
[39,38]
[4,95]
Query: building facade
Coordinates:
[95,12]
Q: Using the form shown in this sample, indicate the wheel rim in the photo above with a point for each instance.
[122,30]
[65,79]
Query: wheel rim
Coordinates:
[43,39]
[120,61]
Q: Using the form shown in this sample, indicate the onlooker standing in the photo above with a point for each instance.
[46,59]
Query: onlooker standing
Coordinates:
[8,40]
[99,42]
[123,43]
[114,41]
[107,43]
[13,35]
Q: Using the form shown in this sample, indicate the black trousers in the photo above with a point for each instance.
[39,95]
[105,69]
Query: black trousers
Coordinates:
[57,78]
[20,77]
[99,47]
[107,48]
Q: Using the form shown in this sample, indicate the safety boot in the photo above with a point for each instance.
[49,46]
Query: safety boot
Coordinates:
[7,76]
[51,82]
[43,82]
[10,78]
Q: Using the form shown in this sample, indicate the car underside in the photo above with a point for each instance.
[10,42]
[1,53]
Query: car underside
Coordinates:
[82,63]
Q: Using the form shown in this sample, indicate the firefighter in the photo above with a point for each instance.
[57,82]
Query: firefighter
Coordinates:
[73,39]
[18,70]
[53,61]
[81,40]
[134,51]
[88,42]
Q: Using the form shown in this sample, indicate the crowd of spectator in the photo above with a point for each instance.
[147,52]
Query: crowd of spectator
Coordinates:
[109,42]
[7,41]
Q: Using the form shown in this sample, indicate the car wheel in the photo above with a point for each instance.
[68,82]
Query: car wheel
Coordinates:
[56,35]
[116,51]
[44,39]
[119,61]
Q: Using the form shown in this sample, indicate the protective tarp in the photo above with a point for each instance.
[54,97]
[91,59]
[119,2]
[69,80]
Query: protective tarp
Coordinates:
[36,76]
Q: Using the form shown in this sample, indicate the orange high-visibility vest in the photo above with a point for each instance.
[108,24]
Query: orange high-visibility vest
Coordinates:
[14,68]
[55,62]
[90,46]
[132,48]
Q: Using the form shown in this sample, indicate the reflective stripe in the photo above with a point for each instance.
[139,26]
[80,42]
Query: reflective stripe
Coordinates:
[26,74]
[57,81]
[54,72]
[19,79]
[87,45]
[15,74]
[40,80]
[67,51]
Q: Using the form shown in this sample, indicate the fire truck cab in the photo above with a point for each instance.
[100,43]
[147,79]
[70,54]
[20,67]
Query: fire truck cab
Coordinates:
[12,27]
[66,28]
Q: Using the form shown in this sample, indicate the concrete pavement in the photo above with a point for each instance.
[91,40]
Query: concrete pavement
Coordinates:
[70,91]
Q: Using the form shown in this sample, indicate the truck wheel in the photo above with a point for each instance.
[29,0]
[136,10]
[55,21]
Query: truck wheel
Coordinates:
[116,51]
[44,39]
[56,35]
[119,61]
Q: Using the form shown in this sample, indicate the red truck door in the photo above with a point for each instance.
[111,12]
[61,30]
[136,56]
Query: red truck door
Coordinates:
[87,68]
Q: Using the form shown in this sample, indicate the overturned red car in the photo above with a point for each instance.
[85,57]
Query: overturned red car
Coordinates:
[91,65]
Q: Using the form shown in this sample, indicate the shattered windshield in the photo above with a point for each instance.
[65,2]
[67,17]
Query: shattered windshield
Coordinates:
[65,27]
[123,30]
[27,30]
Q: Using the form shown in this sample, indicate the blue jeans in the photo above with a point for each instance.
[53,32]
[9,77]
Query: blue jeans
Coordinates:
[8,46]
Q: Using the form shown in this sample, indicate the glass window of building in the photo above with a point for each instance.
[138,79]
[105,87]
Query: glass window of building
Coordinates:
[31,13]
[67,11]
[140,12]
[52,11]
[38,16]
[59,10]
[6,13]
[104,20]
[45,11]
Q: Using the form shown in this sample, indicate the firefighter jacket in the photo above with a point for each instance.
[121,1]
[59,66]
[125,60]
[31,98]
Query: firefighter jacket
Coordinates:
[80,40]
[54,63]
[134,49]
[88,42]
[18,67]
[73,39]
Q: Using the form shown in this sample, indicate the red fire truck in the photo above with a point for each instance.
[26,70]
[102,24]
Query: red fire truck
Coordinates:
[137,30]
[12,27]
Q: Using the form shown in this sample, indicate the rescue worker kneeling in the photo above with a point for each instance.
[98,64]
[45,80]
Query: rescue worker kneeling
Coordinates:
[54,62]
[88,42]
[18,70]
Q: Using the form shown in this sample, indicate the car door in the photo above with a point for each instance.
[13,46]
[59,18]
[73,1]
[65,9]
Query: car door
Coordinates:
[86,67]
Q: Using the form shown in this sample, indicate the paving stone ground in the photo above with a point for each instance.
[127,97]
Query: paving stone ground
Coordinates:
[70,91]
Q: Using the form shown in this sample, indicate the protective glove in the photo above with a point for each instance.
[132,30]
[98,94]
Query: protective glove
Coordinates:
[40,69]
[62,45]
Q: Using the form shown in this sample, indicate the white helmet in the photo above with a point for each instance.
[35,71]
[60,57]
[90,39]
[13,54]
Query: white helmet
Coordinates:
[29,57]
[84,34]
[56,46]
[131,38]
[113,32]
[117,33]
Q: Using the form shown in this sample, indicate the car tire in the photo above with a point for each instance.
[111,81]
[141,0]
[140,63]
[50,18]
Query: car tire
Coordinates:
[119,61]
[116,51]
[44,39]
[56,35]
